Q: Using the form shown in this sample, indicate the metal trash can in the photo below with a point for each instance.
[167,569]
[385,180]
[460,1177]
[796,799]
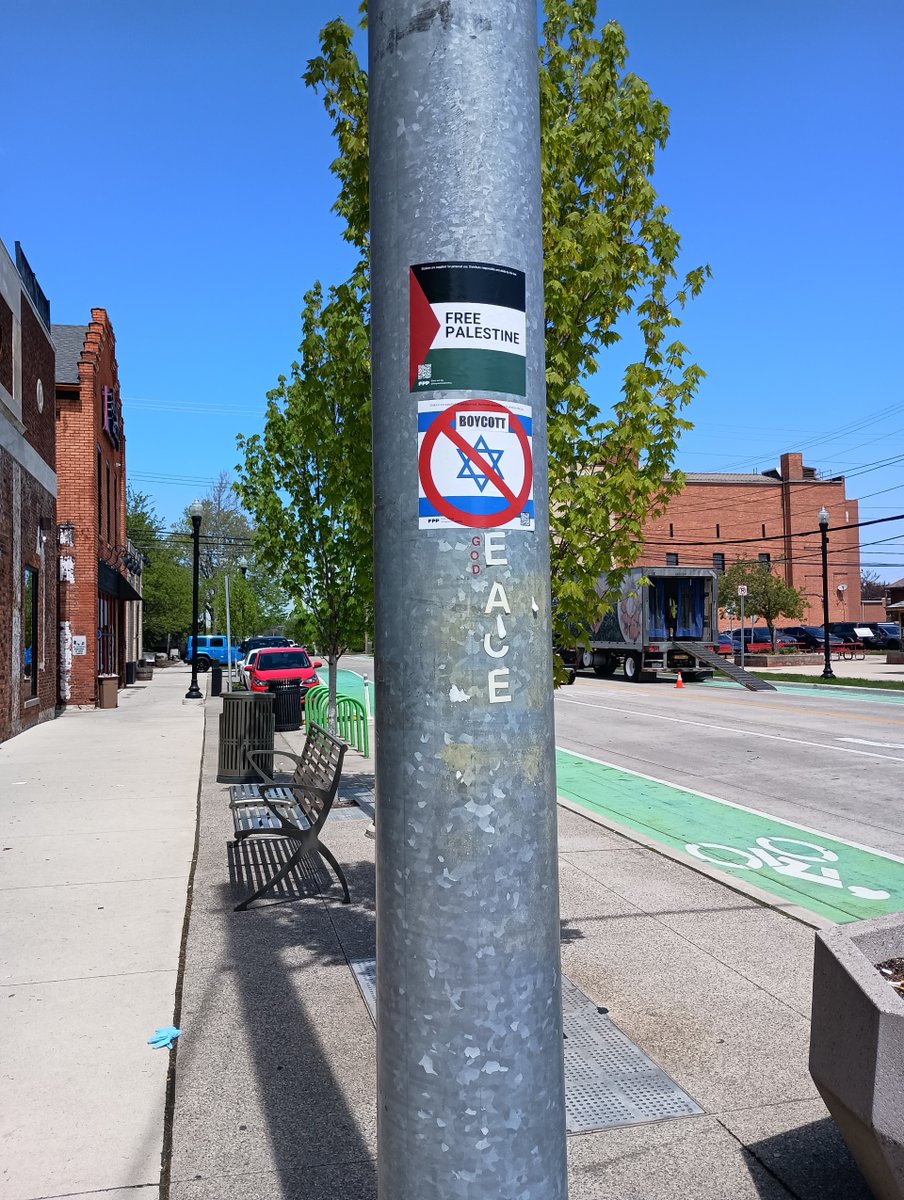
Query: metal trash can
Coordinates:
[216,680]
[130,673]
[287,704]
[246,723]
[107,691]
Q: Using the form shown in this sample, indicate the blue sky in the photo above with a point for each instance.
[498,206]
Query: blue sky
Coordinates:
[167,163]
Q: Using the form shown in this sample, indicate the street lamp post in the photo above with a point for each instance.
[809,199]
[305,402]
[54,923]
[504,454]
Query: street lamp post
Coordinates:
[194,511]
[823,518]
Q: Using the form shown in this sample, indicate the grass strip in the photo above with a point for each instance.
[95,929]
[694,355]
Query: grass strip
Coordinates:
[818,681]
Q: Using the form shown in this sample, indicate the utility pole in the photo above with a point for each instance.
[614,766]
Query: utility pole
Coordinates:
[469,1025]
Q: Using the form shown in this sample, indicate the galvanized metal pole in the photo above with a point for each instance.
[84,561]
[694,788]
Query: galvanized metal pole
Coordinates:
[228,638]
[470,1075]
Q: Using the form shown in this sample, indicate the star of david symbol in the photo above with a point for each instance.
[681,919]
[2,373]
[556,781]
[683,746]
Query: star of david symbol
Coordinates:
[470,470]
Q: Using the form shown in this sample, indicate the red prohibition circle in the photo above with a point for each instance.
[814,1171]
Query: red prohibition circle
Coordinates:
[445,423]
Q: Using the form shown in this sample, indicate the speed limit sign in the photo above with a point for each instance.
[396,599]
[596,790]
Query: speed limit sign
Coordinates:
[742,590]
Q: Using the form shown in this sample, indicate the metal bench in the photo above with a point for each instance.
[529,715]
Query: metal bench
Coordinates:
[296,810]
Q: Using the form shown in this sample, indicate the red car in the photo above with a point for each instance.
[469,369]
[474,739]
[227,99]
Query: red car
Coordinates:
[281,663]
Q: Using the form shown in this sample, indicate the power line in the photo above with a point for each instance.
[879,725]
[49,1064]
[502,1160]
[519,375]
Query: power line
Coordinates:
[776,537]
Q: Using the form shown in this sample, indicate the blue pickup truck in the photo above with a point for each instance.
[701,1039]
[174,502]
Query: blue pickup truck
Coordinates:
[211,649]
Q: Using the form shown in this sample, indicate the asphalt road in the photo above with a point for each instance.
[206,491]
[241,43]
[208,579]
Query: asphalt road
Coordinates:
[833,763]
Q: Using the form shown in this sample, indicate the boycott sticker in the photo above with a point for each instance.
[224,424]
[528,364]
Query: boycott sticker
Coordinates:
[475,465]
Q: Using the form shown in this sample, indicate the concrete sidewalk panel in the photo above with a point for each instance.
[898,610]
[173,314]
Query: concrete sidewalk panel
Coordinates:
[691,1014]
[39,816]
[289,1070]
[583,899]
[76,1053]
[97,858]
[691,1159]
[737,931]
[670,888]
[774,954]
[93,930]
[576,833]
[345,1181]
[801,1145]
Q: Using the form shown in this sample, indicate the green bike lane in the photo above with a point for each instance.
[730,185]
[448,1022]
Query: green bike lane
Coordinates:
[828,876]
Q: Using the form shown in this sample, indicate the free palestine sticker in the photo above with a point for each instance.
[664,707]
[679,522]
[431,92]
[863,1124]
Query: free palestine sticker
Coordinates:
[467,328]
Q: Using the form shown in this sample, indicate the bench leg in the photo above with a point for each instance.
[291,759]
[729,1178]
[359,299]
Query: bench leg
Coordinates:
[328,855]
[271,883]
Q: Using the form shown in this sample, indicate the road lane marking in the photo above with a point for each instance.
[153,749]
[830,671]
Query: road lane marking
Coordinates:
[834,877]
[741,700]
[772,737]
[867,742]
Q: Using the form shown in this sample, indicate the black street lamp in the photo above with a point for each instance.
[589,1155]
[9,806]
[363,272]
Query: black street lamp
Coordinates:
[194,511]
[823,517]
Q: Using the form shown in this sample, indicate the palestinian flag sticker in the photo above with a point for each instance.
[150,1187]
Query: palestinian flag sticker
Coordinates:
[467,328]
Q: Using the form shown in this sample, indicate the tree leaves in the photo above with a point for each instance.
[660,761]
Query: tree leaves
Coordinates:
[611,270]
[768,595]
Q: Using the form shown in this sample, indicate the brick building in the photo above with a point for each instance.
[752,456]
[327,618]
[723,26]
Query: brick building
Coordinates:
[95,559]
[28,484]
[720,518]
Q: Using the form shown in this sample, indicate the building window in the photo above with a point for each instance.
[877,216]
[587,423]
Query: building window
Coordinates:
[765,559]
[719,561]
[30,630]
[109,522]
[763,528]
[39,396]
[718,531]
[671,530]
[100,494]
[671,560]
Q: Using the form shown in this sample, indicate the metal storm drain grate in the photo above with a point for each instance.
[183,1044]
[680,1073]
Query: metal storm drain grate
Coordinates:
[609,1080]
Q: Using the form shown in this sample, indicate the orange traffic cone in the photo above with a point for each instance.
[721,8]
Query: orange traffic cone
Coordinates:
[679,682]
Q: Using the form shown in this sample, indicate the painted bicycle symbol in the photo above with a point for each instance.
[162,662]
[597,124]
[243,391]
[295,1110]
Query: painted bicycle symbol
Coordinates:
[777,853]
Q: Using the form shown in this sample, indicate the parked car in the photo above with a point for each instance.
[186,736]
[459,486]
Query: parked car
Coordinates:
[256,643]
[277,664]
[892,634]
[245,668]
[726,645]
[811,637]
[758,641]
[211,649]
[855,631]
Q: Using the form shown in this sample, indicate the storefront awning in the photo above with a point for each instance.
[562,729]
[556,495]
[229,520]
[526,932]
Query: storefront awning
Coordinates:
[114,584]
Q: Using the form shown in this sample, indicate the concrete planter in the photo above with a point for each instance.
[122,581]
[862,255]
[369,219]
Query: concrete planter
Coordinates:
[777,660]
[857,1046]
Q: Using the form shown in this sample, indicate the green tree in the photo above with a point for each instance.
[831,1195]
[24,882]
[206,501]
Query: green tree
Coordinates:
[768,595]
[611,259]
[166,582]
[306,479]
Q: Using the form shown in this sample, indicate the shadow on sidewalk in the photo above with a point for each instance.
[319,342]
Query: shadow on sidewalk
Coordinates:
[812,1161]
[305,1025]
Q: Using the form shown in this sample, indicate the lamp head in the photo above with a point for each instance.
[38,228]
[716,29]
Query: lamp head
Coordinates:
[823,517]
[195,509]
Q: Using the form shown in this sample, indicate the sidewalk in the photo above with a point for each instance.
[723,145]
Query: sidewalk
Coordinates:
[275,1071]
[98,815]
[873,666]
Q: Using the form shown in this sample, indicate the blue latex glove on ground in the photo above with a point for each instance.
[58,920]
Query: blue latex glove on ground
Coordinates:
[163,1038]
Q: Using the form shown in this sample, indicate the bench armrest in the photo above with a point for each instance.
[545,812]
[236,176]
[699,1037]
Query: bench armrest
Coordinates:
[251,754]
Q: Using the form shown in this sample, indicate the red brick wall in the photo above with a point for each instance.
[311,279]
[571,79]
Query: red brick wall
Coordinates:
[80,432]
[718,514]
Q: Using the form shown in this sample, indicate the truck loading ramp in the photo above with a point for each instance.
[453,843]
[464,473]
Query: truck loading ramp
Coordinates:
[754,683]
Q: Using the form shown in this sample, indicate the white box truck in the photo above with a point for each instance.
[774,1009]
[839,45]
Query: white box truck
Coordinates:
[666,619]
